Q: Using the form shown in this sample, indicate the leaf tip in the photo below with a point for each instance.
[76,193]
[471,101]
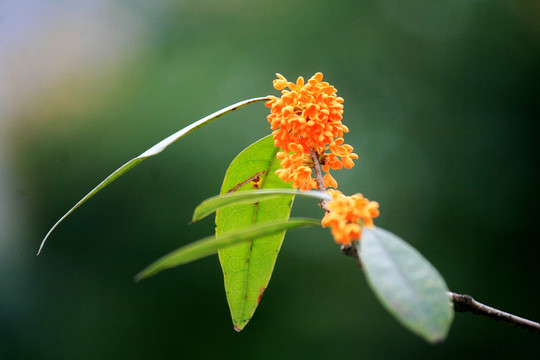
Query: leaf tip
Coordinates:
[236,328]
[42,244]
[438,340]
[137,278]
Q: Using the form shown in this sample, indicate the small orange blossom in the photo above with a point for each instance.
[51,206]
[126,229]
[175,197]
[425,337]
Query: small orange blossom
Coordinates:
[347,215]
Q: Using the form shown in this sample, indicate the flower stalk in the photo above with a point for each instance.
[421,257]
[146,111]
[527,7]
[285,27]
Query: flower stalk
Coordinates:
[318,175]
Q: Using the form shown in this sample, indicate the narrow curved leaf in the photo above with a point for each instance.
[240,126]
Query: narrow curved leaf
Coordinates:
[247,268]
[210,245]
[154,150]
[406,283]
[212,204]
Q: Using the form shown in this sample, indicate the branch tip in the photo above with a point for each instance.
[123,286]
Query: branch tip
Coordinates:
[466,303]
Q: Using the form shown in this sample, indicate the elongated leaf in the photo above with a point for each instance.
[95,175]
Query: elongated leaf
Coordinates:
[212,204]
[406,284]
[247,268]
[210,245]
[154,150]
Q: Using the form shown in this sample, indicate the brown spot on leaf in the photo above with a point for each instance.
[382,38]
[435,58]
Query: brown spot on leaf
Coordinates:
[256,178]
[260,295]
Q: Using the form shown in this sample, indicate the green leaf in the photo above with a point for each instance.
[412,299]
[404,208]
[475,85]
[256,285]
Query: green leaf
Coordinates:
[212,204]
[247,268]
[154,150]
[210,245]
[408,286]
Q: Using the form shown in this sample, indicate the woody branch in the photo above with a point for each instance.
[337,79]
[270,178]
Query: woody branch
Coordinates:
[318,175]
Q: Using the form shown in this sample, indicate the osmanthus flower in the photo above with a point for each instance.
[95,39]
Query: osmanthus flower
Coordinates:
[308,116]
[297,168]
[346,215]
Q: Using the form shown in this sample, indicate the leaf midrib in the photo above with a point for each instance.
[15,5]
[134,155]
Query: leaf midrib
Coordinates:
[256,210]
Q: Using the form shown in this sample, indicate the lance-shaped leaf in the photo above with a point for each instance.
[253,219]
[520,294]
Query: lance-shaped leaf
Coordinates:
[406,283]
[210,245]
[247,268]
[212,204]
[154,150]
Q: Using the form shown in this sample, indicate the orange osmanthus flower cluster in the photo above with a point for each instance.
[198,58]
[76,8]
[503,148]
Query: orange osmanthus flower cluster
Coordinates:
[307,118]
[347,215]
[308,115]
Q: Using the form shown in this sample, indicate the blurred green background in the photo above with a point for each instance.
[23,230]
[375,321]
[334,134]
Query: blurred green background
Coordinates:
[441,98]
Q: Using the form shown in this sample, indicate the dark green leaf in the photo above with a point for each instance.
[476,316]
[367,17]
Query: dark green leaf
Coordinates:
[406,284]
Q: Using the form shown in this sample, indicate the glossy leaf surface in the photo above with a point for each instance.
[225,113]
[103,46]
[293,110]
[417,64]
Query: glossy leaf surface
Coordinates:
[249,197]
[247,268]
[408,286]
[210,245]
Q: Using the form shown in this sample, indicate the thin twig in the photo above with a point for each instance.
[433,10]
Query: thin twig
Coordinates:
[348,250]
[317,168]
[352,251]
[318,175]
[465,303]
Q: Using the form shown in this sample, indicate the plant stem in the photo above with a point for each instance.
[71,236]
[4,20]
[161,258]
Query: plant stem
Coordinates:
[465,303]
[318,175]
